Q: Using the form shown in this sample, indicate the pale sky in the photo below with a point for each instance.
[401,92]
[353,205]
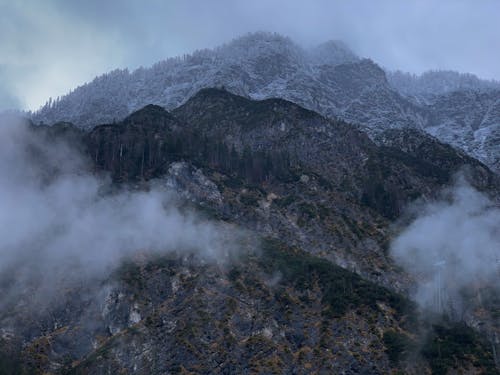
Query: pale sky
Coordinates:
[49,47]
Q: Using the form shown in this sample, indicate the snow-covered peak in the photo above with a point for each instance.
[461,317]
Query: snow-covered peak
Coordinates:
[437,82]
[261,48]
[329,79]
[333,52]
[261,41]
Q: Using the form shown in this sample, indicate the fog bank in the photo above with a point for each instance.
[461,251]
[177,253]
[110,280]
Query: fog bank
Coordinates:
[451,246]
[57,225]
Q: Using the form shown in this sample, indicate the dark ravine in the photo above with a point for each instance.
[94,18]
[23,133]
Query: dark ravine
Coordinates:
[318,293]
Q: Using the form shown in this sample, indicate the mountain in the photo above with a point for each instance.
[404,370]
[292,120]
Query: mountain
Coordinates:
[315,289]
[462,110]
[433,83]
[468,120]
[329,79]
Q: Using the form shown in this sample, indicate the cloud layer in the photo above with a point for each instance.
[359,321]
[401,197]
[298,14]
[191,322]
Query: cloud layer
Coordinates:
[452,245]
[58,224]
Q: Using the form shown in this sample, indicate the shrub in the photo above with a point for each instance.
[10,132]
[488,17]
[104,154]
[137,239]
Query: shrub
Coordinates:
[342,289]
[448,345]
[397,345]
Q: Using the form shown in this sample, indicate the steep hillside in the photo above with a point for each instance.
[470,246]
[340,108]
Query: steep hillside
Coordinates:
[312,287]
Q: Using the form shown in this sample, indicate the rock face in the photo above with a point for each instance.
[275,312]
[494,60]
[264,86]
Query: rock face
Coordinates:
[314,291]
[462,110]
[469,120]
[329,79]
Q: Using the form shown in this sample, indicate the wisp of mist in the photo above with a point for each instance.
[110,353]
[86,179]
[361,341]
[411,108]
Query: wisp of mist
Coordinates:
[452,245]
[56,224]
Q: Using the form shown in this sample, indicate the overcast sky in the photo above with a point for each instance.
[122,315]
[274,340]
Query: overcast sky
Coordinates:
[49,47]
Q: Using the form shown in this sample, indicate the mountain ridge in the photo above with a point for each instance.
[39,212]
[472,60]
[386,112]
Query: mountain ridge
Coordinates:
[332,81]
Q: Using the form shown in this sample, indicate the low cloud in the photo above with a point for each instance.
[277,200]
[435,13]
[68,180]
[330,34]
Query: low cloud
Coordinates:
[58,224]
[452,245]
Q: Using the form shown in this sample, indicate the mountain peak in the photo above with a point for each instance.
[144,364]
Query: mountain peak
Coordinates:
[329,79]
[264,37]
[438,82]
[254,46]
[332,52]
